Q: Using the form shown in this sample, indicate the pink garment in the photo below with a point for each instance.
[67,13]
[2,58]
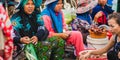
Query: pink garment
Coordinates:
[7,30]
[75,38]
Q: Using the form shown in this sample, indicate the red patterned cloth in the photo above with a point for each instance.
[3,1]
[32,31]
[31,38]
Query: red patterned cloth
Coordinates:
[102,20]
[6,27]
[1,58]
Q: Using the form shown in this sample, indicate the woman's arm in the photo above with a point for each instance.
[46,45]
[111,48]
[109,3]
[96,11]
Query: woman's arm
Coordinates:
[85,55]
[104,49]
[42,33]
[48,25]
[16,37]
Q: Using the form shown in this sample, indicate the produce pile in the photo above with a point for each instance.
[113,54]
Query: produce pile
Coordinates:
[97,32]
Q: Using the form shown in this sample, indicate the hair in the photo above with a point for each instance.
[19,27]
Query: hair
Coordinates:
[115,16]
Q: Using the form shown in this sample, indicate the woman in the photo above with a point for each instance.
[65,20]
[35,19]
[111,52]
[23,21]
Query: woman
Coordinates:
[85,8]
[29,28]
[114,24]
[101,7]
[83,20]
[54,22]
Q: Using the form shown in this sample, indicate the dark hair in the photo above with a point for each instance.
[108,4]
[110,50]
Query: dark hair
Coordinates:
[115,16]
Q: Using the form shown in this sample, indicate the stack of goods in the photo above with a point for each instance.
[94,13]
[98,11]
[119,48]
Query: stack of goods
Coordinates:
[97,32]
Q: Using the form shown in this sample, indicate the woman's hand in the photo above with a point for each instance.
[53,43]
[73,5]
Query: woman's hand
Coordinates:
[25,40]
[84,55]
[64,35]
[97,15]
[34,39]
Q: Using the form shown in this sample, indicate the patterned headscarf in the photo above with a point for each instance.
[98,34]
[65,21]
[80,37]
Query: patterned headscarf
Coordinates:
[23,3]
[27,22]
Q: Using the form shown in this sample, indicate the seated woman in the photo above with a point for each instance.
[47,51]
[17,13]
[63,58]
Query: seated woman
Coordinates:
[29,28]
[54,22]
[84,9]
[83,20]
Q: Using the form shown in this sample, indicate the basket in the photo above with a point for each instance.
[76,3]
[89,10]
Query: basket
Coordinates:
[97,35]
[97,59]
[102,57]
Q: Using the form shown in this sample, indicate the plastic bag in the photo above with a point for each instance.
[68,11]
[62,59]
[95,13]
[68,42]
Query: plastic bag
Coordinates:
[30,52]
[69,12]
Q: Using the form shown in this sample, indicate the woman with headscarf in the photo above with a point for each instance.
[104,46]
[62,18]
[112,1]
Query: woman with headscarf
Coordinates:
[83,19]
[54,22]
[29,28]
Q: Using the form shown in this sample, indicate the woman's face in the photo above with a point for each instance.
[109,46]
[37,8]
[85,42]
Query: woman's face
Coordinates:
[29,7]
[114,27]
[59,6]
[102,2]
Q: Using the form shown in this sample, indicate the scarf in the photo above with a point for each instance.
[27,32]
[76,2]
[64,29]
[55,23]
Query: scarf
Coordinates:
[55,17]
[30,21]
[23,3]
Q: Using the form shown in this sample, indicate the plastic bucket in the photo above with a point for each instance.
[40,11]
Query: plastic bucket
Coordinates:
[94,43]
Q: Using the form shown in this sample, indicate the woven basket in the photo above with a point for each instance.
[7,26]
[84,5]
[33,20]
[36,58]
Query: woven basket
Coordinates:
[97,59]
[102,57]
[99,35]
